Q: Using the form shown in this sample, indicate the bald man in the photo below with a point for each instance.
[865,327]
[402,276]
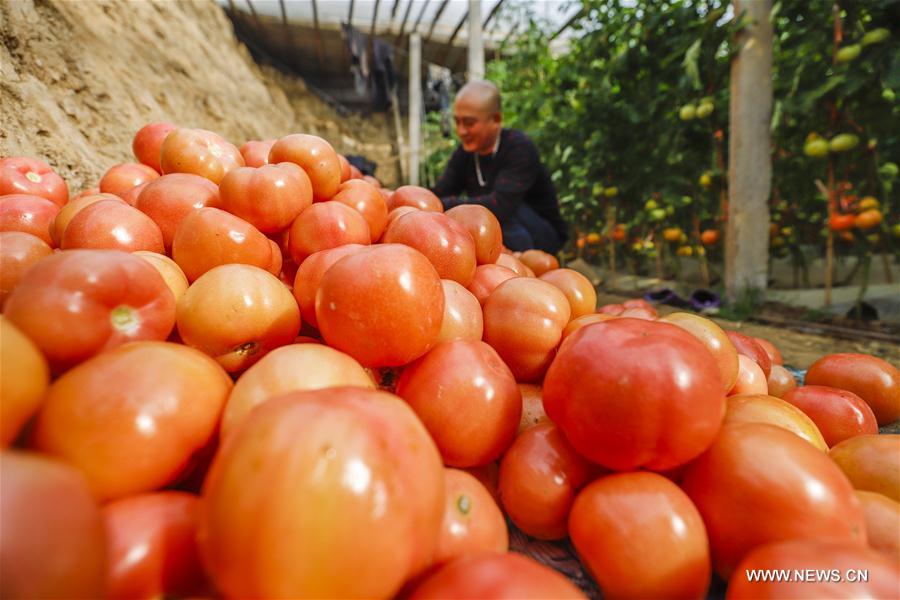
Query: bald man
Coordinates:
[500,169]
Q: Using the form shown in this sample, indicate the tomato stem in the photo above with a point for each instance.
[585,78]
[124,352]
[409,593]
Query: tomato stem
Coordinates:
[124,318]
[464,504]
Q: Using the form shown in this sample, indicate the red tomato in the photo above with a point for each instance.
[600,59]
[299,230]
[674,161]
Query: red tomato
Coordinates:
[236,314]
[367,178]
[828,570]
[838,222]
[760,408]
[169,199]
[747,346]
[396,213]
[467,398]
[23,380]
[785,487]
[18,252]
[256,153]
[871,463]
[32,176]
[874,380]
[131,196]
[68,212]
[577,288]
[152,546]
[540,262]
[381,287]
[882,523]
[417,197]
[269,197]
[200,152]
[540,476]
[345,168]
[368,201]
[641,537]
[532,407]
[51,531]
[780,381]
[517,266]
[576,324]
[131,418]
[611,309]
[77,303]
[210,237]
[637,303]
[489,476]
[472,521]
[715,340]
[486,279]
[771,350]
[523,321]
[316,157]
[750,378]
[369,484]
[446,243]
[484,228]
[171,273]
[111,225]
[838,414]
[496,576]
[309,276]
[463,319]
[326,225]
[148,141]
[629,393]
[125,176]
[357,174]
[28,214]
[290,368]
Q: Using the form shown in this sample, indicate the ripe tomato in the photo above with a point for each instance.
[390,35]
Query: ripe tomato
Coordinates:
[611,309]
[463,319]
[446,243]
[472,521]
[629,393]
[326,225]
[838,414]
[709,237]
[576,324]
[839,222]
[467,398]
[785,487]
[28,214]
[210,237]
[532,407]
[18,252]
[111,225]
[120,178]
[871,463]
[493,575]
[169,270]
[369,484]
[367,178]
[641,537]
[540,476]
[316,157]
[577,288]
[77,303]
[152,546]
[747,346]
[256,153]
[131,418]
[750,378]
[131,195]
[51,531]
[345,168]
[780,381]
[67,213]
[874,380]
[380,287]
[868,219]
[269,197]
[309,276]
[715,340]
[833,564]
[760,408]
[23,380]
[290,368]
[396,213]
[417,197]
[523,321]
[368,201]
[169,199]
[200,152]
[32,176]
[148,141]
[486,279]
[484,228]
[770,348]
[540,262]
[882,523]
[489,476]
[517,266]
[236,314]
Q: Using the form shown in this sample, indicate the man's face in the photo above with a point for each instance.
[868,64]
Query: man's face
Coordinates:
[476,127]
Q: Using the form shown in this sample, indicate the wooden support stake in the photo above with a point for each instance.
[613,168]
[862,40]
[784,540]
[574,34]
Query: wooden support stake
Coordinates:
[415,105]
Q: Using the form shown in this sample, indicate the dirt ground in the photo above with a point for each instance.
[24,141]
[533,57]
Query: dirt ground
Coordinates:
[79,78]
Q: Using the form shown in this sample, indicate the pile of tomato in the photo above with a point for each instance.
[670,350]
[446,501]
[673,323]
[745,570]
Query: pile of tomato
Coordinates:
[254,372]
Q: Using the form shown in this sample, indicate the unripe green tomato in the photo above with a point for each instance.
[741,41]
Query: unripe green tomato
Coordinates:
[876,36]
[704,110]
[817,148]
[847,53]
[688,112]
[650,204]
[843,142]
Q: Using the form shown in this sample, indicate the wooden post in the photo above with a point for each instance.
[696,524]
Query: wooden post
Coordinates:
[750,169]
[415,106]
[476,43]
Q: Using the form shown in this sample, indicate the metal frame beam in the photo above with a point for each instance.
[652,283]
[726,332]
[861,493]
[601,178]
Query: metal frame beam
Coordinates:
[492,14]
[403,23]
[425,4]
[434,21]
[374,18]
[453,37]
[350,15]
[567,24]
[319,50]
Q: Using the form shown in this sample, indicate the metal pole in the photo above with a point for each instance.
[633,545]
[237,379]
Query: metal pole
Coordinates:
[476,43]
[415,105]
